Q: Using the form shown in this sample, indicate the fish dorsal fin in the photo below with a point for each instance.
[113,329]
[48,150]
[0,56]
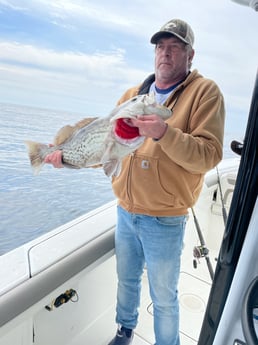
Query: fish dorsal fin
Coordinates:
[67,131]
[63,134]
[85,122]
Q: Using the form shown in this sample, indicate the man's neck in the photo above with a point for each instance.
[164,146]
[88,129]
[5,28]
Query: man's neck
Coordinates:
[165,84]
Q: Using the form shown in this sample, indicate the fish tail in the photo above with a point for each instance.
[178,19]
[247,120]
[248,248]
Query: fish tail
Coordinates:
[37,153]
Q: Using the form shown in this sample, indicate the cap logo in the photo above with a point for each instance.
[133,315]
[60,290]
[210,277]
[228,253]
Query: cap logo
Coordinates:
[170,25]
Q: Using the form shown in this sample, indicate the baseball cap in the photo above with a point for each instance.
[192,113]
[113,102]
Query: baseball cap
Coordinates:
[178,28]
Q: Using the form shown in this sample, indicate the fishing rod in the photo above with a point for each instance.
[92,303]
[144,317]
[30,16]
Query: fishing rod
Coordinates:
[224,211]
[201,251]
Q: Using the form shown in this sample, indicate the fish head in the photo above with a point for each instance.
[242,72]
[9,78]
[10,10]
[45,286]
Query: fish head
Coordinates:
[139,105]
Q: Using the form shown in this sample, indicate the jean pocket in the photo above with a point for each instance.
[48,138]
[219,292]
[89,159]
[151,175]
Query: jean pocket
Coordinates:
[171,220]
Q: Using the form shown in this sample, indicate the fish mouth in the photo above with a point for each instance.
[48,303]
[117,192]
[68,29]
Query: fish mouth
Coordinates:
[124,129]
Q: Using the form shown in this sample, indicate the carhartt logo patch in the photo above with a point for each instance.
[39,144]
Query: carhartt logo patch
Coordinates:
[145,164]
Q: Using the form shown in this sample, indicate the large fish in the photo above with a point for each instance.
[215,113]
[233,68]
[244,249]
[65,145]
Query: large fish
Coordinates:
[103,141]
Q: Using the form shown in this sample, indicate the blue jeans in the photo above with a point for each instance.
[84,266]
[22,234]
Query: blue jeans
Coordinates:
[158,242]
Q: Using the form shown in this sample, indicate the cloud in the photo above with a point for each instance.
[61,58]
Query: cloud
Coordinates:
[72,52]
[74,11]
[66,61]
[68,76]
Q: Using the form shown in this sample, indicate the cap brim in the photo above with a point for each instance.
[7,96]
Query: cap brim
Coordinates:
[158,35]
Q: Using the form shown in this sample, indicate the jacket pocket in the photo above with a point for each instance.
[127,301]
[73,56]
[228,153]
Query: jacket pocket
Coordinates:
[161,184]
[147,189]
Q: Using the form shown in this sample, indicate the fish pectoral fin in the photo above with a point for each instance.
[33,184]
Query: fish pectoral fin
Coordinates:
[112,167]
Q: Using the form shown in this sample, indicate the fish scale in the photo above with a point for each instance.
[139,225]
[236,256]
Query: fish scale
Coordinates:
[85,153]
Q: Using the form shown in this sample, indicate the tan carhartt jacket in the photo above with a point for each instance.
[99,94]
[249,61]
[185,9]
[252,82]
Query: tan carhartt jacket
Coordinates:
[164,178]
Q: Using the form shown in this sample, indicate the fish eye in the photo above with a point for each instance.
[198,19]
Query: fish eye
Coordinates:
[134,99]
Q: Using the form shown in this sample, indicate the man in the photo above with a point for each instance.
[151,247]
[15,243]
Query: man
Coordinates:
[161,180]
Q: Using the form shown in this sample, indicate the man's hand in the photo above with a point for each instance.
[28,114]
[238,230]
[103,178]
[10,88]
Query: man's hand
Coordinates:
[54,158]
[150,126]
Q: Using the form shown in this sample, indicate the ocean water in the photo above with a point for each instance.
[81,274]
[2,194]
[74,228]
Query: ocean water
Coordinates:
[33,205]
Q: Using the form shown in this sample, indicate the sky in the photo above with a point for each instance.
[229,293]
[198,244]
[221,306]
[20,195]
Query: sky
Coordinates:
[80,55]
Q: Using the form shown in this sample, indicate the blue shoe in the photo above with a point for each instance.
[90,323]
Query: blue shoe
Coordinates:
[124,336]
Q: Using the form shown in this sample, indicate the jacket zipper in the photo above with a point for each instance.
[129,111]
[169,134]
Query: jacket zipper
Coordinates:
[129,195]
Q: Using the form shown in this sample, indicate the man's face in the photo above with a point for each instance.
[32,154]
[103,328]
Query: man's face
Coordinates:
[172,59]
